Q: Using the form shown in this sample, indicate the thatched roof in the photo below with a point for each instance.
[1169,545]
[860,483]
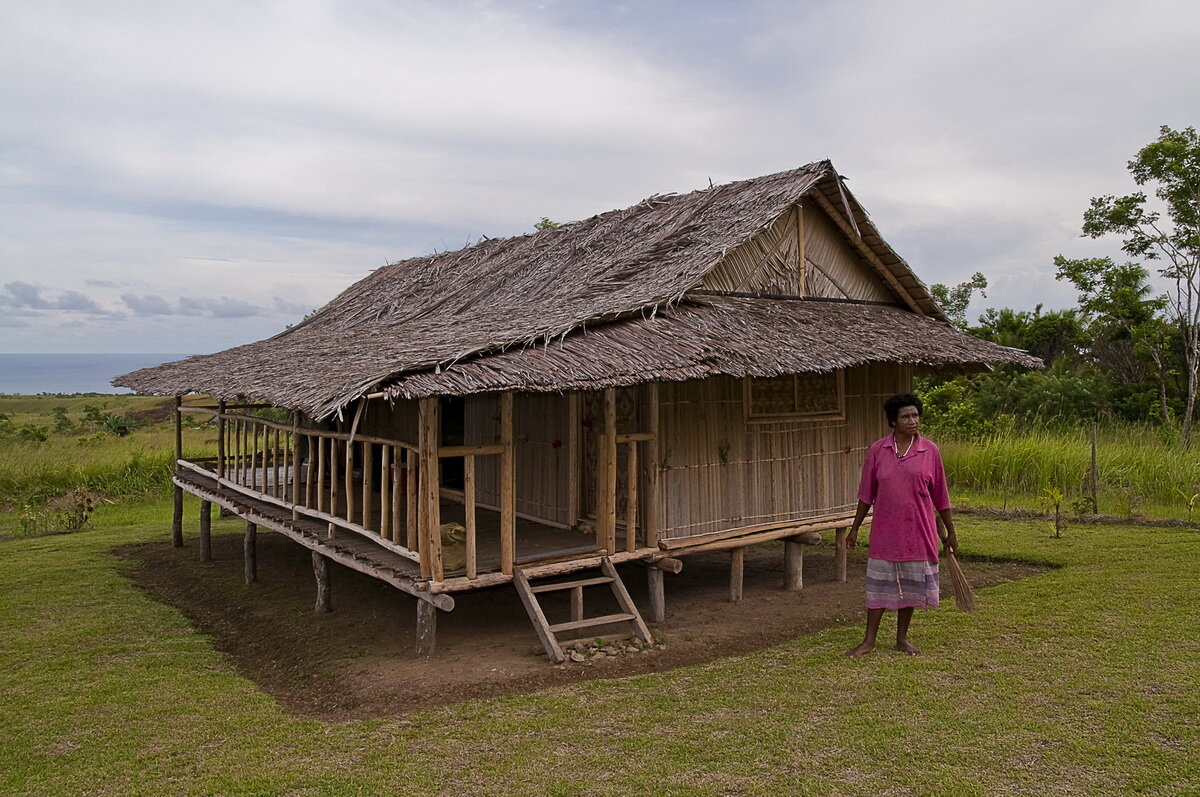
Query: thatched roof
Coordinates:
[479,318]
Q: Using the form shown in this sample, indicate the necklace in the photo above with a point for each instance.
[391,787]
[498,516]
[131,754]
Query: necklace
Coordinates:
[897,446]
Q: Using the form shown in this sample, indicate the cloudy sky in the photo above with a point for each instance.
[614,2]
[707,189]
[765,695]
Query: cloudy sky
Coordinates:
[184,177]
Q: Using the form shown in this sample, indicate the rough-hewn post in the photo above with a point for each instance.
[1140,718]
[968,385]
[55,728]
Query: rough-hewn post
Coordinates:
[508,498]
[177,515]
[793,565]
[250,552]
[430,517]
[205,531]
[658,601]
[321,571]
[609,441]
[737,559]
[652,470]
[840,558]
[426,628]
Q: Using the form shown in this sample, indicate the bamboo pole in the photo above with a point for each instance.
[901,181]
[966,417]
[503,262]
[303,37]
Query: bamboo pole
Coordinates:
[631,497]
[295,464]
[431,538]
[221,443]
[368,476]
[469,513]
[573,459]
[321,474]
[610,470]
[411,511]
[653,517]
[349,480]
[177,515]
[385,493]
[508,517]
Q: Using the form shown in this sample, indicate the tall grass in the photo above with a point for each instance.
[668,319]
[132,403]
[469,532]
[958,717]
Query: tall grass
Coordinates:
[136,466]
[1134,465]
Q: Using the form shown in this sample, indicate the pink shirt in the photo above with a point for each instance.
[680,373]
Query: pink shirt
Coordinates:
[905,491]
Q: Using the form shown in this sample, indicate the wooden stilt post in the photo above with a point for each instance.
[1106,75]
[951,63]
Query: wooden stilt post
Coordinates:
[205,531]
[840,558]
[652,498]
[508,498]
[576,604]
[609,441]
[321,571]
[658,601]
[431,510]
[737,560]
[250,552]
[177,517]
[426,627]
[793,565]
[222,452]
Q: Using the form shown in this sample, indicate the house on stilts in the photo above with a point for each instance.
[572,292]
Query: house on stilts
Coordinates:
[697,372]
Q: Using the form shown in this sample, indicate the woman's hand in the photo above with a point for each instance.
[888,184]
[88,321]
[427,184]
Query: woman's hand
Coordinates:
[852,538]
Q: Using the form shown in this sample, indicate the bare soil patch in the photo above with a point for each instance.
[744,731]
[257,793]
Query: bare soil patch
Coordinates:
[357,662]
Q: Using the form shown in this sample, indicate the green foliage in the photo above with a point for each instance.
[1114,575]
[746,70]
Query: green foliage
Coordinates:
[546,224]
[1167,232]
[954,301]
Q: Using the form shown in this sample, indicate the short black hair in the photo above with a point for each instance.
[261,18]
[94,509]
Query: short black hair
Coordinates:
[893,405]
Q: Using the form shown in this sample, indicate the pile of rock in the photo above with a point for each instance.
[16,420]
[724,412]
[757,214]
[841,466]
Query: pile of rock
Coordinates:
[585,652]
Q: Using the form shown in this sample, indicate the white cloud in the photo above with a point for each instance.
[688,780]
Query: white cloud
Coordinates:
[255,158]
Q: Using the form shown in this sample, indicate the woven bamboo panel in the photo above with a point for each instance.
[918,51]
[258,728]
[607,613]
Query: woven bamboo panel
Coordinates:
[767,263]
[835,269]
[722,472]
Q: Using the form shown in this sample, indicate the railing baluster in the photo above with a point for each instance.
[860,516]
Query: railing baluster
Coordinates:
[368,475]
[469,512]
[410,498]
[385,492]
[631,498]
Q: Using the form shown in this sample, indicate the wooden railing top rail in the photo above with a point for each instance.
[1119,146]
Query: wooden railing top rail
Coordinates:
[287,427]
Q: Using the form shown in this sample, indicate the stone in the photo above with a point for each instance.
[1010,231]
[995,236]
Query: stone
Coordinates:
[575,655]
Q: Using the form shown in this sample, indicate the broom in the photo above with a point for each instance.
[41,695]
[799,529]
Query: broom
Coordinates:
[964,596]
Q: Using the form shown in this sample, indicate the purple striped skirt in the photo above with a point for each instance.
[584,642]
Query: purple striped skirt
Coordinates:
[900,585]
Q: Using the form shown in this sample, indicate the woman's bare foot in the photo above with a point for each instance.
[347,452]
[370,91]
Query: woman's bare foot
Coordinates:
[904,646]
[861,650]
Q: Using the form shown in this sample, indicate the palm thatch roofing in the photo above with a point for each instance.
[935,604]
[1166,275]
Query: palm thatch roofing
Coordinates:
[611,300]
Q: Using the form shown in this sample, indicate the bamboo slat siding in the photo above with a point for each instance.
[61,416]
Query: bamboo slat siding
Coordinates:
[768,263]
[721,472]
[835,270]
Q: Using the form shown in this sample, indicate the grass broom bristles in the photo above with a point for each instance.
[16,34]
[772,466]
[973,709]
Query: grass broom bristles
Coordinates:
[964,596]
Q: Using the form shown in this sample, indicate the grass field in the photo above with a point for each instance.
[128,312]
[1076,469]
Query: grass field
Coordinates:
[1081,680]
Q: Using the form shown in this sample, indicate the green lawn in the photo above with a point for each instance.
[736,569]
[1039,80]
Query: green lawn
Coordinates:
[1081,680]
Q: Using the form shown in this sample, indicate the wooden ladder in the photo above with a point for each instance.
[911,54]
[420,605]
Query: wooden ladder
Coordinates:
[548,632]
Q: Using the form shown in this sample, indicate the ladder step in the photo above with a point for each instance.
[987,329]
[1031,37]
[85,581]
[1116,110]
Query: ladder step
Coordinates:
[591,621]
[583,582]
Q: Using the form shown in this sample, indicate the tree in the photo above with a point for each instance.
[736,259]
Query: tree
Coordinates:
[1124,317]
[954,301]
[1169,235]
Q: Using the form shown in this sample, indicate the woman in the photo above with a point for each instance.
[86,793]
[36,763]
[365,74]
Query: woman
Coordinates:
[904,479]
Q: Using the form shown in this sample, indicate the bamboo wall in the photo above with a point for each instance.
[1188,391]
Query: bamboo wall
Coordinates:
[543,453]
[721,472]
[834,269]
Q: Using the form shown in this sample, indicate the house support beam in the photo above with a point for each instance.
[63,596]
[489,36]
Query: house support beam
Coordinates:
[737,561]
[840,556]
[508,498]
[658,599]
[324,603]
[426,628]
[608,523]
[430,490]
[793,565]
[177,519]
[250,552]
[652,468]
[205,530]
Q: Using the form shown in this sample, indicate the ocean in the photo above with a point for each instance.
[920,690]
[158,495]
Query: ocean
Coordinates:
[31,374]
